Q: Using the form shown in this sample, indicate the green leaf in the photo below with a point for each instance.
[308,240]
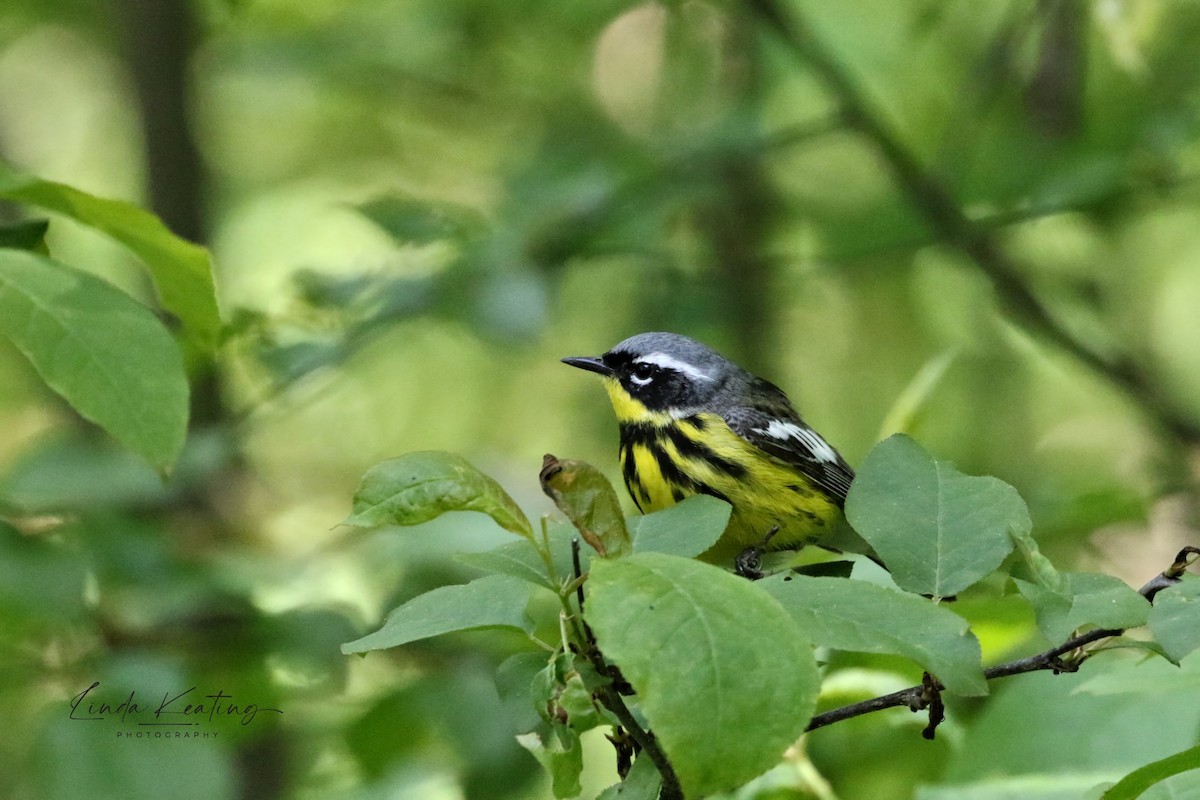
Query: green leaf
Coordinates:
[1012,733]
[1086,599]
[78,471]
[587,498]
[1146,676]
[1141,779]
[513,679]
[562,694]
[722,674]
[1175,618]
[1040,567]
[1037,786]
[518,559]
[521,559]
[30,235]
[642,783]
[685,529]
[104,766]
[106,354]
[906,410]
[577,703]
[865,618]
[496,601]
[181,270]
[41,580]
[938,530]
[564,762]
[1184,786]
[412,221]
[420,486]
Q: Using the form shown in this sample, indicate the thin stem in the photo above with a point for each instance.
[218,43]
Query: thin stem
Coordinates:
[917,697]
[913,696]
[609,695]
[546,554]
[616,704]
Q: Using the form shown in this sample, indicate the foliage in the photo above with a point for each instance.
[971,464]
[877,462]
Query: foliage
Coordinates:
[181,270]
[80,334]
[972,223]
[721,669]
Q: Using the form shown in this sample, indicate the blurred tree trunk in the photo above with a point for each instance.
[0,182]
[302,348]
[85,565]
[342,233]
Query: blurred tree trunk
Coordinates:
[159,38]
[739,223]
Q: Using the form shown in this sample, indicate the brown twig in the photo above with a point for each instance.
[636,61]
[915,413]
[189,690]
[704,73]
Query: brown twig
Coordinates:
[610,696]
[927,695]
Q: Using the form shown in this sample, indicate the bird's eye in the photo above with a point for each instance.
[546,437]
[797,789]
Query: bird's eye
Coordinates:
[641,374]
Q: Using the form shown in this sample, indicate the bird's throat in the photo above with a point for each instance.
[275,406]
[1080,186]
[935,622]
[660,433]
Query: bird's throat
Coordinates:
[629,409]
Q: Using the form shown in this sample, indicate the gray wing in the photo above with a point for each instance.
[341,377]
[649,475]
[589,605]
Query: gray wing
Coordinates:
[771,424]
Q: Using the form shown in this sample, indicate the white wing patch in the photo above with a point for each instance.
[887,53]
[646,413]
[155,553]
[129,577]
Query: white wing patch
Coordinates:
[669,362]
[778,429]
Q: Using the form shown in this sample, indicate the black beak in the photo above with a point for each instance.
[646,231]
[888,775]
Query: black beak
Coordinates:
[590,364]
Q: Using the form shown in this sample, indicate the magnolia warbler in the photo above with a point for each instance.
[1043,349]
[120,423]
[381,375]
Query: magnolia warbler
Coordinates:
[693,422]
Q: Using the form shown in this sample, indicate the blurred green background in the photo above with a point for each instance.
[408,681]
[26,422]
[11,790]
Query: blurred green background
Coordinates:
[416,207]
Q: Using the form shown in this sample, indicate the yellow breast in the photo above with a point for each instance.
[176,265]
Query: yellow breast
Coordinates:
[665,459]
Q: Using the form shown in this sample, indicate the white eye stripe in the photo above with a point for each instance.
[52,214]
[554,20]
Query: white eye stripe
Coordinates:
[778,429]
[669,362]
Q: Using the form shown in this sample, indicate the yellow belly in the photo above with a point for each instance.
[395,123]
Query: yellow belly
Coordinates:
[665,460]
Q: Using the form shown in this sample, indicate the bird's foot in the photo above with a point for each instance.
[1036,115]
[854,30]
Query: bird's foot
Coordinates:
[748,563]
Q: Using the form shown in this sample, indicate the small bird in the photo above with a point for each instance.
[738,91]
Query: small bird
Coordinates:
[693,422]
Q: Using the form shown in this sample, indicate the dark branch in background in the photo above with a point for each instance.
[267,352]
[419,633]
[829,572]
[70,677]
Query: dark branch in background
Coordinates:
[160,38]
[738,218]
[927,695]
[945,215]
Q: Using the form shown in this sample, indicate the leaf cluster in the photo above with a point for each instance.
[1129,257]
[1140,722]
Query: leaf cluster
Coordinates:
[704,679]
[111,358]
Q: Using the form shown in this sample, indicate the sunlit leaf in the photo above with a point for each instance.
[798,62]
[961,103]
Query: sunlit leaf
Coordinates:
[495,601]
[863,617]
[588,499]
[938,530]
[420,486]
[692,638]
[106,354]
[686,529]
[181,270]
